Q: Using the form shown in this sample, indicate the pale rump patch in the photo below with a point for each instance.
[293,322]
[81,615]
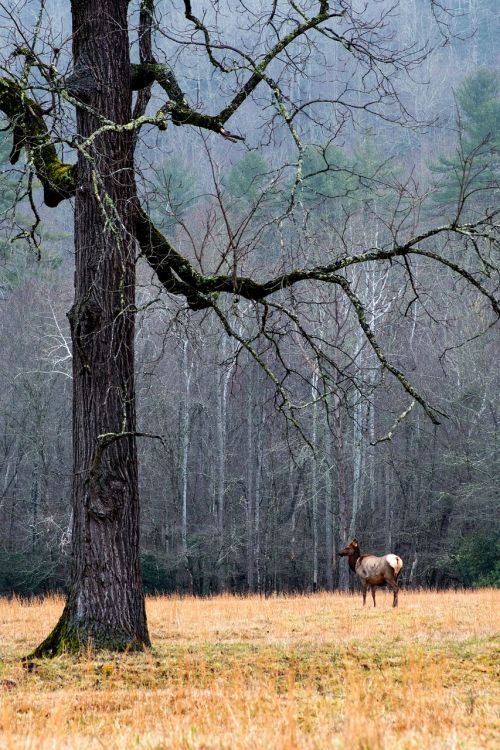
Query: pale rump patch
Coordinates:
[395,562]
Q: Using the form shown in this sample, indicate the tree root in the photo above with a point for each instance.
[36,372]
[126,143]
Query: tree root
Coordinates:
[68,639]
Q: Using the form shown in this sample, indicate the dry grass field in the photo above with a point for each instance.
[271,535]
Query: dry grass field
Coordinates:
[257,674]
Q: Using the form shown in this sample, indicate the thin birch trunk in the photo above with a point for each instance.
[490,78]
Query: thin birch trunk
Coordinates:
[314,477]
[249,507]
[343,518]
[329,515]
[221,427]
[187,370]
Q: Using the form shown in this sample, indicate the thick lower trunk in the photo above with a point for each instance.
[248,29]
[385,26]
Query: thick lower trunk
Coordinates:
[105,604]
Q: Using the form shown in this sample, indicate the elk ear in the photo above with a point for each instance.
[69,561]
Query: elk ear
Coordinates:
[354,543]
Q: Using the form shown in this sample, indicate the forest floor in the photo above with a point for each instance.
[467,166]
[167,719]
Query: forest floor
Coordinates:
[245,673]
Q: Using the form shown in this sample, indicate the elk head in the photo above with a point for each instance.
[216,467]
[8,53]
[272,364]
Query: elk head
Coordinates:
[351,549]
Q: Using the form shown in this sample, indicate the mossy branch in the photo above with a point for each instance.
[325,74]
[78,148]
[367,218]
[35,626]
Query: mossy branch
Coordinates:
[259,69]
[390,433]
[164,259]
[30,132]
[176,273]
[144,74]
[359,309]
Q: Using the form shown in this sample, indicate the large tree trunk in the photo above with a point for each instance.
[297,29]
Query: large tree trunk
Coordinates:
[105,603]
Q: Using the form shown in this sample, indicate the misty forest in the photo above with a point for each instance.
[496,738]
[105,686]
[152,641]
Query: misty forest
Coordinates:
[313,234]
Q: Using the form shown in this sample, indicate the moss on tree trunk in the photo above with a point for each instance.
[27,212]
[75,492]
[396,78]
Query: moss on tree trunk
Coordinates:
[66,638]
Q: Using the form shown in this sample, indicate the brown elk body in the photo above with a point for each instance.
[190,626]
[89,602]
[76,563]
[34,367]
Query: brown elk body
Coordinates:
[374,571]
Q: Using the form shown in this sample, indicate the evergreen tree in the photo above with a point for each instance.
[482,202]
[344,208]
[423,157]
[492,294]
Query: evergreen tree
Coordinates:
[473,171]
[174,193]
[248,179]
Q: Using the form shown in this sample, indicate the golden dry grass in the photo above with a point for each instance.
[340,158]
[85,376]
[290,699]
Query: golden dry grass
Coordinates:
[316,672]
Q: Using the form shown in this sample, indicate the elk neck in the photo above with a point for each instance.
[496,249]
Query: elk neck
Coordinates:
[353,559]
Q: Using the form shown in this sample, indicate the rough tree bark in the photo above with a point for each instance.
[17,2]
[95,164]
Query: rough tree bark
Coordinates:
[105,604]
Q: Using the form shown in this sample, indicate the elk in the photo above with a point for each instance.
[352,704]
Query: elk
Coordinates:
[374,571]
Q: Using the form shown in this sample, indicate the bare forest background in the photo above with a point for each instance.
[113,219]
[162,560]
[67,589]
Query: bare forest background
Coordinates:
[235,496]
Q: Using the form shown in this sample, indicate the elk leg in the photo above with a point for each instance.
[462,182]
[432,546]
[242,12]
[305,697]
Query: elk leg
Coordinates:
[365,589]
[373,595]
[394,586]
